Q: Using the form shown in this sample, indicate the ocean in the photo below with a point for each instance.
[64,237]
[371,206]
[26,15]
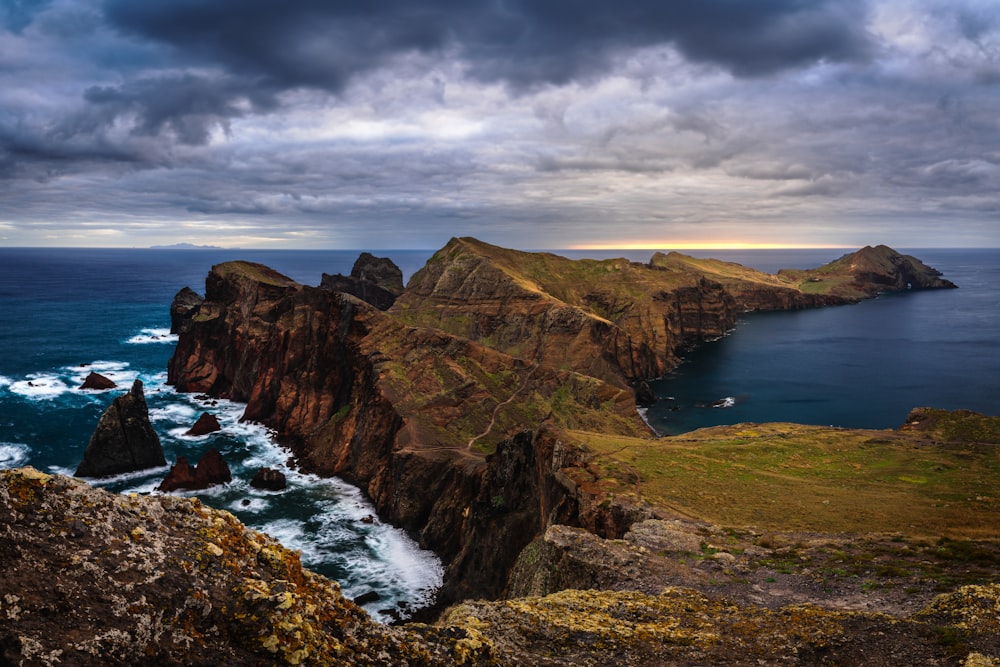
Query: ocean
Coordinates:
[66,312]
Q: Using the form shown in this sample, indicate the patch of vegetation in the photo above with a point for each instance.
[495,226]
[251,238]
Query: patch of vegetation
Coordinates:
[794,477]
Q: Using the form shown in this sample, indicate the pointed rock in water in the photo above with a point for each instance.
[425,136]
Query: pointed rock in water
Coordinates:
[97,381]
[124,440]
[269,479]
[207,423]
[211,470]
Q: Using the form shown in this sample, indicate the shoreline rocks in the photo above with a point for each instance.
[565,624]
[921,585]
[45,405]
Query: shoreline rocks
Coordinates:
[210,470]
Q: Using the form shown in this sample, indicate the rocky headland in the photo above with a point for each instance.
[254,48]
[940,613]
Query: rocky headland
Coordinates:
[491,412]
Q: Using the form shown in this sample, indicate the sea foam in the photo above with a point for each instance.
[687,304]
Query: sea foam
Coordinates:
[13,454]
[40,387]
[149,335]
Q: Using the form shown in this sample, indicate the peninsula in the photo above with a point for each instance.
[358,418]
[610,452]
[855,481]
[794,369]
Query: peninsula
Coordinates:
[491,412]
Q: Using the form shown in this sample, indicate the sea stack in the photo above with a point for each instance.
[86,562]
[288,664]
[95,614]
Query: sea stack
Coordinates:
[124,440]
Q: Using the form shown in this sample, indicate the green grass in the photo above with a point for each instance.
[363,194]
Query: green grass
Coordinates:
[793,477]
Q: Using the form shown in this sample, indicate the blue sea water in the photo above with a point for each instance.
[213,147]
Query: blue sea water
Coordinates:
[865,365]
[65,312]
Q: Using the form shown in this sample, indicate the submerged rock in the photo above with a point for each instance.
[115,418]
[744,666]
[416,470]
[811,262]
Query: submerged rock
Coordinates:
[269,479]
[210,470]
[97,381]
[124,440]
[207,423]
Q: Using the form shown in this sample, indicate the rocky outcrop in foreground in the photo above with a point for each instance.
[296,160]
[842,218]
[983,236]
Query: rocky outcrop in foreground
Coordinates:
[93,578]
[124,440]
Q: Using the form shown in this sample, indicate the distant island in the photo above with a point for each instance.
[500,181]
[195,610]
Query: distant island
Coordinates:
[189,246]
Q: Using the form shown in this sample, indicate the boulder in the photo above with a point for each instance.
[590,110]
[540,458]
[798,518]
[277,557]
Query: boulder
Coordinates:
[211,470]
[97,381]
[269,479]
[124,440]
[207,423]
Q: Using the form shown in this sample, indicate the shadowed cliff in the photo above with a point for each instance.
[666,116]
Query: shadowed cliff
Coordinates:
[433,407]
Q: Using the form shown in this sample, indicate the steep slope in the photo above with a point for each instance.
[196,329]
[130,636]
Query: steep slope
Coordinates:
[753,290]
[409,414]
[613,319]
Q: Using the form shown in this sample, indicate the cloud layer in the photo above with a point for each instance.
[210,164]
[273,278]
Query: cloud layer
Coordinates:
[539,123]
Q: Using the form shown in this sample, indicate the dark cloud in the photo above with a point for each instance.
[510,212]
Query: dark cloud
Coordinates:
[186,105]
[322,43]
[16,15]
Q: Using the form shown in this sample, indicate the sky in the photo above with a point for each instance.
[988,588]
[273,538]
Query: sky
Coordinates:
[383,124]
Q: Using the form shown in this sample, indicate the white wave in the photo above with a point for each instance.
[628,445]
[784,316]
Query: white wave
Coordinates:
[116,371]
[174,412]
[158,471]
[13,454]
[727,402]
[146,336]
[418,573]
[5,382]
[40,387]
[253,505]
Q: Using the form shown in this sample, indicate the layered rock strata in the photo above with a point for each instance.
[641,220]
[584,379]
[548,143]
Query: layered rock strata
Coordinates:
[434,407]
[407,413]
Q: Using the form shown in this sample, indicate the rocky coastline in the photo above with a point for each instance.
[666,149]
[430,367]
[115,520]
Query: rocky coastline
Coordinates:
[490,410]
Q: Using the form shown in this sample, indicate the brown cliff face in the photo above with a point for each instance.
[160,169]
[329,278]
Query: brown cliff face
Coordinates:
[751,289]
[425,406]
[407,413]
[615,320]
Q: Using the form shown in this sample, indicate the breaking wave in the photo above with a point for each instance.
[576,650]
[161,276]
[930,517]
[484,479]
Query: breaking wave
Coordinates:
[147,336]
[13,454]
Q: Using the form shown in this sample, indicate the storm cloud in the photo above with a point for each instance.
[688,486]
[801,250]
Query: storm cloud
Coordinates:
[334,122]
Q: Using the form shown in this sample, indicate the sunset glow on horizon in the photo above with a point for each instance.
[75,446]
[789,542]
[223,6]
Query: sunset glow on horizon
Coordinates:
[704,245]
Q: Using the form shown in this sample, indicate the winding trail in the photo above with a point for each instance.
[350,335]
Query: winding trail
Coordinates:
[496,410]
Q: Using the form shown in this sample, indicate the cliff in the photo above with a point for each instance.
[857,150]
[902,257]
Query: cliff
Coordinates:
[93,578]
[616,320]
[434,407]
[625,322]
[410,414]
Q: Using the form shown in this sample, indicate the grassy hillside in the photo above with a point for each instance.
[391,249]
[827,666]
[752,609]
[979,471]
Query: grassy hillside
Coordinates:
[790,477]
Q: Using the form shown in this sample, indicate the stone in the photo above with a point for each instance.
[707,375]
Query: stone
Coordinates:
[375,280]
[124,440]
[210,470]
[97,381]
[269,479]
[185,303]
[207,423]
